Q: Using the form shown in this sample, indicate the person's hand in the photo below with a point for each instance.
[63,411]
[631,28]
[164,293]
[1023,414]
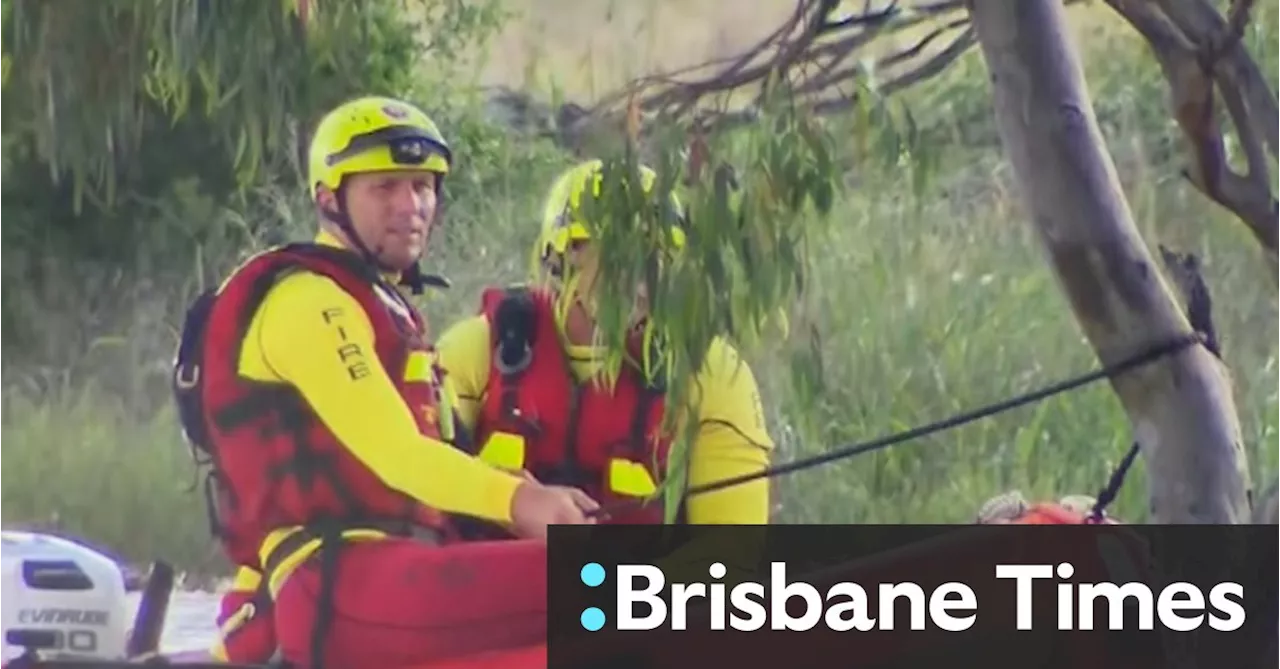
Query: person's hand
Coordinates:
[535,506]
[527,476]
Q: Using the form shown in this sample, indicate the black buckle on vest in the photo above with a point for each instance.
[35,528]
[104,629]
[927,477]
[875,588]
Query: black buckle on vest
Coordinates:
[514,328]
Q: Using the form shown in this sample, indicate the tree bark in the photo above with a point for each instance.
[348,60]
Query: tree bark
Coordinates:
[1181,406]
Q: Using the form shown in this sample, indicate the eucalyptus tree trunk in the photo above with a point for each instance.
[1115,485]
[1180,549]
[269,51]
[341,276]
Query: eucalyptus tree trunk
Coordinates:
[1181,406]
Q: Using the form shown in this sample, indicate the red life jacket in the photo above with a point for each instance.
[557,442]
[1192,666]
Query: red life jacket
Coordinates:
[275,464]
[535,415]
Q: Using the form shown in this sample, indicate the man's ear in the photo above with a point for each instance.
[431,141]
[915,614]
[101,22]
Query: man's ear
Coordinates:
[326,199]
[329,203]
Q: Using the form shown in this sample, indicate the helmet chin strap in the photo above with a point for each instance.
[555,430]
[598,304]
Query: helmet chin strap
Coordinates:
[413,278]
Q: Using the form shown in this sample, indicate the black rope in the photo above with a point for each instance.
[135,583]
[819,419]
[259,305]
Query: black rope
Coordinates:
[1138,360]
[1108,493]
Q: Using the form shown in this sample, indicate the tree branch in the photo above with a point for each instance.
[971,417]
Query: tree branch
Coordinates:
[810,52]
[1191,62]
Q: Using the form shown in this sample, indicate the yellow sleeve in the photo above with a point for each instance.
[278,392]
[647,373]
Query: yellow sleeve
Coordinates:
[464,355]
[732,440]
[316,337]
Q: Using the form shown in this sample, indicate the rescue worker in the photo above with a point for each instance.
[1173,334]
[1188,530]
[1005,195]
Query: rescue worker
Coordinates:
[525,372]
[319,401]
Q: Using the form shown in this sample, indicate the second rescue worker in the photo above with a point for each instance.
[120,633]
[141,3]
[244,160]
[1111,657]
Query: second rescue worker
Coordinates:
[315,394]
[527,375]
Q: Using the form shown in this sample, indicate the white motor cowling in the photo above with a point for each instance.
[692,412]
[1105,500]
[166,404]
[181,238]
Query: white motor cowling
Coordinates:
[61,598]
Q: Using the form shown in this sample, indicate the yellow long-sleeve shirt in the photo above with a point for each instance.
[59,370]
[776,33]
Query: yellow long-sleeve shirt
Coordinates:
[732,438]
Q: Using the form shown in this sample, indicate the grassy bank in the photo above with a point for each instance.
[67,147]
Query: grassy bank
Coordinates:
[926,307]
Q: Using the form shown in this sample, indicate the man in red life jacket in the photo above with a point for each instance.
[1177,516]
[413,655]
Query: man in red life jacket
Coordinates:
[527,375]
[307,381]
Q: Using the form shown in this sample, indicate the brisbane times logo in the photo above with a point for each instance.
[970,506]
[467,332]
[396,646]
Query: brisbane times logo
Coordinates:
[646,601]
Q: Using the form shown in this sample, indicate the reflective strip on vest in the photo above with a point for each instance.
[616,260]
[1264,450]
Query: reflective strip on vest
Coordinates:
[287,564]
[630,478]
[418,367]
[504,450]
[444,421]
[246,579]
[238,619]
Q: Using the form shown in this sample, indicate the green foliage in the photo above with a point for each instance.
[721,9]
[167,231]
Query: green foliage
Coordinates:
[752,215]
[90,84]
[201,165]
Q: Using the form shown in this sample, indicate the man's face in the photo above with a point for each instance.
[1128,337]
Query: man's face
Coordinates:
[584,258]
[392,212]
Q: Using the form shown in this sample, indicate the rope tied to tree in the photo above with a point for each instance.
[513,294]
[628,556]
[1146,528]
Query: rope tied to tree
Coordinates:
[1105,497]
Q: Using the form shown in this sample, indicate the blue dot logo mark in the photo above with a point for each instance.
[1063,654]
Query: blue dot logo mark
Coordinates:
[592,619]
[592,575]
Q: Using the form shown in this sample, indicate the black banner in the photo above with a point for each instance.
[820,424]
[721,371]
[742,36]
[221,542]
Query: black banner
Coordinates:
[879,596]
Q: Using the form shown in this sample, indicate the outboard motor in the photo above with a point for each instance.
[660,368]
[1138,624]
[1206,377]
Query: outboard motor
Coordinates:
[61,599]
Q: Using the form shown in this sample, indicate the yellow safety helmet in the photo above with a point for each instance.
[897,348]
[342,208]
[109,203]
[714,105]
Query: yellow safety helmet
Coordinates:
[373,134]
[561,219]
